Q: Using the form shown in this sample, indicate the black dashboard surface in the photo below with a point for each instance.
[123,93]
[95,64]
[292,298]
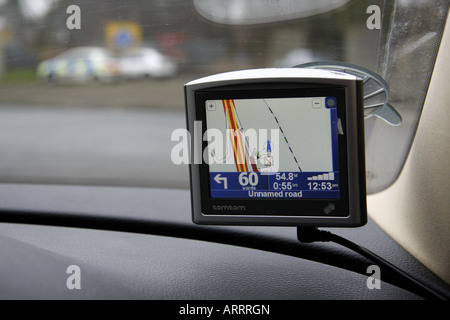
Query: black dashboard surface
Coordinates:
[132,243]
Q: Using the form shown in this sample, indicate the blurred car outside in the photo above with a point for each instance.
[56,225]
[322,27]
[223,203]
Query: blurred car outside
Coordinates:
[296,57]
[80,64]
[145,62]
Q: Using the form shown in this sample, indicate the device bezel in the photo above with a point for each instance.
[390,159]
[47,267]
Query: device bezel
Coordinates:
[349,209]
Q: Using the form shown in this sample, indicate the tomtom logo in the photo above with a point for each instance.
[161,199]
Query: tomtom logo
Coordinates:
[238,208]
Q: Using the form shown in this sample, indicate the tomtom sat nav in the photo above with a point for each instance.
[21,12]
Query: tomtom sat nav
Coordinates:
[282,147]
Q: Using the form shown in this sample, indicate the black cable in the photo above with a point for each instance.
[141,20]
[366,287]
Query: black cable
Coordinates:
[312,234]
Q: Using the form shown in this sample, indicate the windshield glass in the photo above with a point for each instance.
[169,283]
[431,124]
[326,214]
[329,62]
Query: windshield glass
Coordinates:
[79,104]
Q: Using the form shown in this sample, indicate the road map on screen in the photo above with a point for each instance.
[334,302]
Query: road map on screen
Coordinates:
[273,147]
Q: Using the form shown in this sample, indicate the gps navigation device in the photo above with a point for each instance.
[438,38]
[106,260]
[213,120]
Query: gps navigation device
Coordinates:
[282,147]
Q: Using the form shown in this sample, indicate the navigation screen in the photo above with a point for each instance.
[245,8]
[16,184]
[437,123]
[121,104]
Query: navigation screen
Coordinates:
[273,148]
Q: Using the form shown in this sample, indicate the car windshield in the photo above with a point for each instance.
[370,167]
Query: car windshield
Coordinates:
[83,52]
[91,118]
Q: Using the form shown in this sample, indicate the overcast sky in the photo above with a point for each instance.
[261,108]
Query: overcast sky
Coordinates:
[34,8]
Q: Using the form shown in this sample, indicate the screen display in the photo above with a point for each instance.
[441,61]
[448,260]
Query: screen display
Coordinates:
[273,148]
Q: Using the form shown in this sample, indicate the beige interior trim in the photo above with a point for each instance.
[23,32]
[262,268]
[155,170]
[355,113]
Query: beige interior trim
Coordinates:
[415,210]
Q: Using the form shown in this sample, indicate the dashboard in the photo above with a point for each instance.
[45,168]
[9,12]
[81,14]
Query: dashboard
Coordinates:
[136,243]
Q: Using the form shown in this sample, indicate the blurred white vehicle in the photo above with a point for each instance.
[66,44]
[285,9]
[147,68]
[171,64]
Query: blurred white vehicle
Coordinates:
[80,64]
[145,63]
[296,57]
